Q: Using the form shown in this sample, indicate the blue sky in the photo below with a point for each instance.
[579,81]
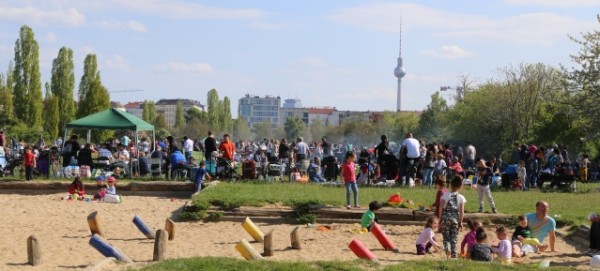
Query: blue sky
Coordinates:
[327,53]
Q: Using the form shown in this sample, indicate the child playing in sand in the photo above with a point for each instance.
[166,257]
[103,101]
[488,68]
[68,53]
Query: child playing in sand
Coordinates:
[101,192]
[200,173]
[440,184]
[349,176]
[76,189]
[112,188]
[470,238]
[369,216]
[503,250]
[426,239]
[481,251]
[451,213]
[522,236]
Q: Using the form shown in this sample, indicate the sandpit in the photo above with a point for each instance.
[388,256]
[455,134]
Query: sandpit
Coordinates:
[63,232]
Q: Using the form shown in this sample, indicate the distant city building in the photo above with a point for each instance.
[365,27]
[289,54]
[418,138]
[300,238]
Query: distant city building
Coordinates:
[286,113]
[135,108]
[292,103]
[117,105]
[255,109]
[328,116]
[168,108]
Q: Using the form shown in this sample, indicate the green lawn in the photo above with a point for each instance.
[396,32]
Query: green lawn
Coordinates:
[568,208]
[210,263]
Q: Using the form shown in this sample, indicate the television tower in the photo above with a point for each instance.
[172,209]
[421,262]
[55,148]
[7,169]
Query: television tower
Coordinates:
[399,72]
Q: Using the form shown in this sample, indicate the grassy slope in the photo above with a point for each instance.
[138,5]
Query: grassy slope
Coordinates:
[209,263]
[569,207]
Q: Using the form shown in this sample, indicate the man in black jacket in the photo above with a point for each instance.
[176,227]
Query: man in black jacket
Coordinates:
[210,145]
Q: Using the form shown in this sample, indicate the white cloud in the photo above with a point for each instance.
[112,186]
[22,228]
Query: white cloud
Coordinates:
[50,37]
[116,25]
[70,17]
[116,63]
[449,52]
[312,61]
[185,67]
[266,26]
[525,28]
[554,3]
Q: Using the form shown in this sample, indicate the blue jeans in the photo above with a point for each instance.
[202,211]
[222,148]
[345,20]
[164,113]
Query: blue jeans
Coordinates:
[428,176]
[354,187]
[188,154]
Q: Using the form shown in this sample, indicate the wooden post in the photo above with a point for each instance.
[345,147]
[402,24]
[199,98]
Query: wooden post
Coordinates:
[94,224]
[34,251]
[268,244]
[170,228]
[160,245]
[295,238]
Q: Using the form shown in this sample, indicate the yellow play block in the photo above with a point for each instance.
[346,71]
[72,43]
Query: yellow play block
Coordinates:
[253,230]
[247,251]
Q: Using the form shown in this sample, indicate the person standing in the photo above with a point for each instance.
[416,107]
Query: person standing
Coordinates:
[348,173]
[451,214]
[382,152]
[411,148]
[70,150]
[484,180]
[29,162]
[188,147]
[302,150]
[470,156]
[210,146]
[327,150]
[227,148]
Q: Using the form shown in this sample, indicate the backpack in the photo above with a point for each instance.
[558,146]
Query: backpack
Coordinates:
[67,149]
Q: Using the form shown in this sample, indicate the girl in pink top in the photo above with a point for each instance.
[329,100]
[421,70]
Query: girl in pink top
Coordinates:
[349,176]
[469,241]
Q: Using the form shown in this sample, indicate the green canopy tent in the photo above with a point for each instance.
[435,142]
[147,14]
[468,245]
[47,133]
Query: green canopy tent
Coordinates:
[112,119]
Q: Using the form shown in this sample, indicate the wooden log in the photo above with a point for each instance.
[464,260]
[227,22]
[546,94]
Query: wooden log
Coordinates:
[34,251]
[141,225]
[94,223]
[295,239]
[107,250]
[268,244]
[247,251]
[170,228]
[160,245]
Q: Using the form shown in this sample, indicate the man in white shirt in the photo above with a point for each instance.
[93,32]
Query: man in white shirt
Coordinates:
[302,150]
[411,148]
[470,156]
[188,147]
[122,154]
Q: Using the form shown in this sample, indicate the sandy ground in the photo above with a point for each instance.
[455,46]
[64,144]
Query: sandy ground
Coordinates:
[63,232]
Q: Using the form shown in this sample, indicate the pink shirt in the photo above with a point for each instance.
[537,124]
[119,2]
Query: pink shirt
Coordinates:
[348,172]
[469,240]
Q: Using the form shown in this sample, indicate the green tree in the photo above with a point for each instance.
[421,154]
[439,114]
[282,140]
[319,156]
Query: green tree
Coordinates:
[89,77]
[294,127]
[241,130]
[179,116]
[431,124]
[195,113]
[214,110]
[263,130]
[159,122]
[226,120]
[62,86]
[6,97]
[51,113]
[27,98]
[149,111]
[317,129]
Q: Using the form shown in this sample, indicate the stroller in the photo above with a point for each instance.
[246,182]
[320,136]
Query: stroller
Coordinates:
[226,169]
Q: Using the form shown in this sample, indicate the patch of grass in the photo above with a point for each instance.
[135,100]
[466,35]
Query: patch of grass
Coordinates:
[209,263]
[567,208]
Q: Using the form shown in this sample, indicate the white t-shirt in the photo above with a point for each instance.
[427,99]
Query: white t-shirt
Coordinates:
[471,152]
[412,148]
[302,148]
[426,237]
[188,145]
[460,198]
